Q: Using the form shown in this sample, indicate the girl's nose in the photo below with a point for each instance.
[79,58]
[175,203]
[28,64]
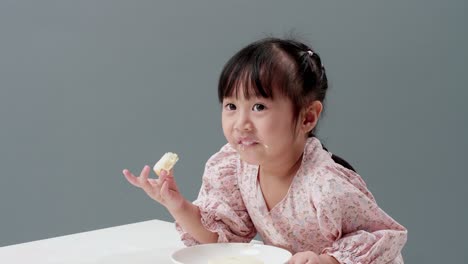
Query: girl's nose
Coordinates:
[243,122]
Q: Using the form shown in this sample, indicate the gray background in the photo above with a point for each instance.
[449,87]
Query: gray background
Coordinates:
[88,88]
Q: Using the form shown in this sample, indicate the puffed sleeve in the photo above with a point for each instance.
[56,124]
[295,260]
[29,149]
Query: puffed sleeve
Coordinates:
[349,216]
[220,202]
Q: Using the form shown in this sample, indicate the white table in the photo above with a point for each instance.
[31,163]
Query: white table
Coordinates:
[144,242]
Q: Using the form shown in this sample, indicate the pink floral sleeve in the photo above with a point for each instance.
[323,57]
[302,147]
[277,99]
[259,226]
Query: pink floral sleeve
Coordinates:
[349,216]
[221,206]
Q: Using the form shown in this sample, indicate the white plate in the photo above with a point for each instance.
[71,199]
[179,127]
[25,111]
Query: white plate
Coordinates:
[201,254]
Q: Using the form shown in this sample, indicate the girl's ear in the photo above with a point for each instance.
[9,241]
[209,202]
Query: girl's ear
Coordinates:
[311,116]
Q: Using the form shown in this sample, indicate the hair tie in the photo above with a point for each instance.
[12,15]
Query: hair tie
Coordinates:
[310,52]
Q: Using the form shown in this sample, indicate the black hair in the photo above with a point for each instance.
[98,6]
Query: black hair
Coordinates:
[288,66]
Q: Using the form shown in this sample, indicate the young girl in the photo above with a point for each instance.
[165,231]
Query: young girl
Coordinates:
[273,176]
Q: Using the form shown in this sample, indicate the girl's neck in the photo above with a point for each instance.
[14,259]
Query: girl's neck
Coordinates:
[283,170]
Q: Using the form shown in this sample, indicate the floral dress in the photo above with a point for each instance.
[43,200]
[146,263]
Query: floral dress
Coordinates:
[327,209]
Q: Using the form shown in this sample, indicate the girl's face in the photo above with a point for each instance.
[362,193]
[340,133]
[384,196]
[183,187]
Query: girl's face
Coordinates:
[260,129]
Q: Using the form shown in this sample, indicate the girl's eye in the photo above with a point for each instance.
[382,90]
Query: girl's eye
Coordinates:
[230,107]
[258,107]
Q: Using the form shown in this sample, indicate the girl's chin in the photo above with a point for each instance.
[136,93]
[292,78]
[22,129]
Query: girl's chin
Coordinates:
[250,161]
[251,158]
[252,154]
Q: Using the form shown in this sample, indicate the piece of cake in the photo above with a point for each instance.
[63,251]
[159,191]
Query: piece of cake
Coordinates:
[166,162]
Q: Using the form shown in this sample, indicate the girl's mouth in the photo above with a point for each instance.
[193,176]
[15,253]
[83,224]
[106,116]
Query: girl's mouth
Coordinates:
[246,143]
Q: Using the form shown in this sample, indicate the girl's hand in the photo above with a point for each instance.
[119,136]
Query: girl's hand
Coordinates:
[309,257]
[163,190]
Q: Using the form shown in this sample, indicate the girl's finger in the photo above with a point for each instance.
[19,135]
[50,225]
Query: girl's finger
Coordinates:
[162,177]
[169,177]
[296,259]
[165,191]
[143,179]
[131,178]
[172,184]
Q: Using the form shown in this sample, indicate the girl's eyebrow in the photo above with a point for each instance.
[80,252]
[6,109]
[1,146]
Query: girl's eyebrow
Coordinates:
[262,99]
[251,99]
